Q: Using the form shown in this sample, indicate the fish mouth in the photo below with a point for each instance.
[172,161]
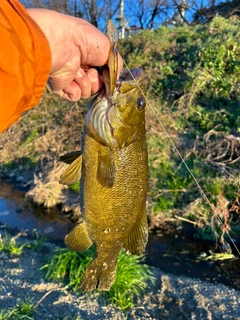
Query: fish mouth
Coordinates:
[129,79]
[129,75]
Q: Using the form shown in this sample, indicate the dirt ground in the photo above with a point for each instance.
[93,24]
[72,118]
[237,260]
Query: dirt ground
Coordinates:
[171,297]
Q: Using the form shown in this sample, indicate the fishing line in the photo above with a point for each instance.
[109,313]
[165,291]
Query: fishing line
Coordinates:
[202,193]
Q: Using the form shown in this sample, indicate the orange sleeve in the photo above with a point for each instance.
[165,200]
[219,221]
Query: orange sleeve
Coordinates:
[25,62]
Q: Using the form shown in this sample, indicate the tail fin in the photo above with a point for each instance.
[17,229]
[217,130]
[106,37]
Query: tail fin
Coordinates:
[99,275]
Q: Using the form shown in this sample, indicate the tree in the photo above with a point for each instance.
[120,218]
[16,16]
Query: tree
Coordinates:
[147,13]
[225,9]
[95,11]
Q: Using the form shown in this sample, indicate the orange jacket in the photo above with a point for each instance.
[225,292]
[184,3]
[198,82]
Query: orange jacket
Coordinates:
[25,62]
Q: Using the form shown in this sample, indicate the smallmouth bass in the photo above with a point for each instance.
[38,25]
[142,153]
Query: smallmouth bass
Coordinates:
[113,167]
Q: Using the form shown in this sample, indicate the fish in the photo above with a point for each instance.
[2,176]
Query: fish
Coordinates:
[112,166]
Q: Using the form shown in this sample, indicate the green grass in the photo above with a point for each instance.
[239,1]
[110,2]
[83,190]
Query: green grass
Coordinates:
[68,263]
[37,242]
[131,279]
[75,187]
[34,134]
[10,245]
[28,162]
[24,309]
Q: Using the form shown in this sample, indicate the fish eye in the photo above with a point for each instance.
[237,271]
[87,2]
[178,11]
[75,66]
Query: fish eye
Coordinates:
[141,103]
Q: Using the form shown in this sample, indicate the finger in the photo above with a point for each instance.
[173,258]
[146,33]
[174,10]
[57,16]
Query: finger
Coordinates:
[82,86]
[84,82]
[95,78]
[72,92]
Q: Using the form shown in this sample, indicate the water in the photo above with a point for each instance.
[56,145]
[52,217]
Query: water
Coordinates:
[18,216]
[179,254]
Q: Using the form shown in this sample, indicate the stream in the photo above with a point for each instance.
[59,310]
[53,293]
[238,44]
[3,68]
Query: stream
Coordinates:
[19,216]
[173,252]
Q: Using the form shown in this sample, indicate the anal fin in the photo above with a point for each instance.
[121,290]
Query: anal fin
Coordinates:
[78,239]
[136,241]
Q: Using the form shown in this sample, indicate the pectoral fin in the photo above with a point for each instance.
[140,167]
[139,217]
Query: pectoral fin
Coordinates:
[70,157]
[137,239]
[78,239]
[73,172]
[106,167]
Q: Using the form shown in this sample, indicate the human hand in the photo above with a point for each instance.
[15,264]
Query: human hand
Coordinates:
[76,47]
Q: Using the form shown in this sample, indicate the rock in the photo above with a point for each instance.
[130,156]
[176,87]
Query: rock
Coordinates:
[19,210]
[20,179]
[48,230]
[210,264]
[12,174]
[202,255]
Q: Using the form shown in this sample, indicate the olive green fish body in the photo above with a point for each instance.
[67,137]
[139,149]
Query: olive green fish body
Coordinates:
[113,182]
[112,213]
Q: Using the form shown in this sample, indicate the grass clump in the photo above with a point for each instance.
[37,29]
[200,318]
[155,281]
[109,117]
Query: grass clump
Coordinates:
[131,278]
[68,264]
[10,246]
[24,309]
